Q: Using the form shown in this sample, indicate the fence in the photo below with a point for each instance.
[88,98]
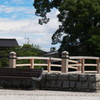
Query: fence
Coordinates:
[67,62]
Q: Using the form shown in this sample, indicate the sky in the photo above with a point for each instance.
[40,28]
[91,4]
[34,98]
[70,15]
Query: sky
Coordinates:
[18,20]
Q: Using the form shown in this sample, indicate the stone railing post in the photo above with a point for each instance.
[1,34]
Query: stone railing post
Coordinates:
[65,57]
[12,59]
[98,65]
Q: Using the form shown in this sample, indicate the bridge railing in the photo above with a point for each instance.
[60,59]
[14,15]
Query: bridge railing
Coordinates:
[46,61]
[84,64]
[76,63]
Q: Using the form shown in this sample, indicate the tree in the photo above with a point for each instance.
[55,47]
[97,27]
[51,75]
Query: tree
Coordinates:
[28,50]
[52,49]
[80,24]
[24,50]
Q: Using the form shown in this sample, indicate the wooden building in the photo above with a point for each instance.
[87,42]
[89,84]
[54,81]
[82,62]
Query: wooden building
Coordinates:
[7,43]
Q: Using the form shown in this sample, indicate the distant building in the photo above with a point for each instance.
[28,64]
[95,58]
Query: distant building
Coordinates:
[8,43]
[52,54]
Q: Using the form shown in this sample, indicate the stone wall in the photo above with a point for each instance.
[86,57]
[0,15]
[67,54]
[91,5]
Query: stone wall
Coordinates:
[70,82]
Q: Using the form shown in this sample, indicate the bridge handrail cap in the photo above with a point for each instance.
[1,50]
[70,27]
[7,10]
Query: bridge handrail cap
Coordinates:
[12,53]
[65,53]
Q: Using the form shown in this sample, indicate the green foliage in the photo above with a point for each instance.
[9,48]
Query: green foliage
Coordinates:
[25,50]
[52,49]
[80,24]
[4,58]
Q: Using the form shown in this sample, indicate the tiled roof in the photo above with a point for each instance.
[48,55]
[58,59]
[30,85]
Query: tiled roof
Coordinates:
[8,42]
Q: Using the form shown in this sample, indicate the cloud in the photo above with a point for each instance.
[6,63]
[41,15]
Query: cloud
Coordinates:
[7,24]
[38,34]
[21,11]
[6,9]
[18,1]
[17,19]
[11,37]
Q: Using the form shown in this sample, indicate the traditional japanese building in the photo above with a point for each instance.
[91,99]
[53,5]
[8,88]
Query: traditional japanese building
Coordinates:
[7,43]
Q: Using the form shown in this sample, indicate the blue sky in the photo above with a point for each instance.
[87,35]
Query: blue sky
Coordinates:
[18,20]
[16,9]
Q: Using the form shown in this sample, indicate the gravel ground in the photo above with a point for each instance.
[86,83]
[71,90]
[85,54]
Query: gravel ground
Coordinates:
[46,95]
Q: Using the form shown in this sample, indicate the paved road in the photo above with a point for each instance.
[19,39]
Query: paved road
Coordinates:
[46,95]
